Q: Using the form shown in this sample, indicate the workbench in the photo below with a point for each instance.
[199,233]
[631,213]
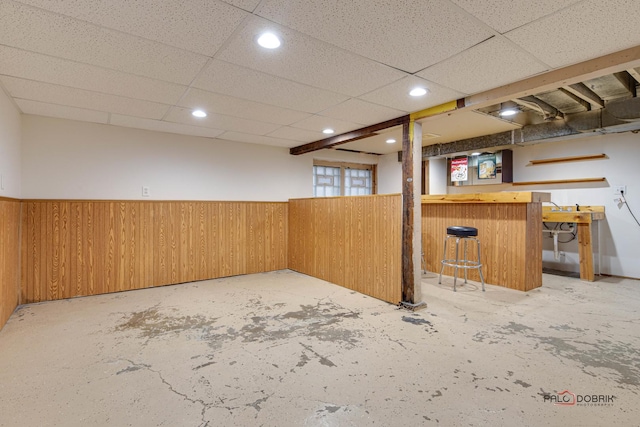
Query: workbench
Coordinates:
[583,218]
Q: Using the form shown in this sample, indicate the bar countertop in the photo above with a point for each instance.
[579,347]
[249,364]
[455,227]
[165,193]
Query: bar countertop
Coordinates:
[501,197]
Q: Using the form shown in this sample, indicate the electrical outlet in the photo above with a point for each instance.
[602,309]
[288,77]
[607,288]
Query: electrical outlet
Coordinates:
[619,189]
[146,192]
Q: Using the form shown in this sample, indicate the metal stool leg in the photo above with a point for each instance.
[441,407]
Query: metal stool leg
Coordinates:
[480,265]
[455,269]
[465,260]
[444,258]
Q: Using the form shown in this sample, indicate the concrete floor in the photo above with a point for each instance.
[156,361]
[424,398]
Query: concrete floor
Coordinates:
[284,349]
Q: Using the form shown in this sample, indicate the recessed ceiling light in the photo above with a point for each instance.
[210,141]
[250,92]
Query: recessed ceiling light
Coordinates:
[391,141]
[475,154]
[508,112]
[418,91]
[328,131]
[199,113]
[269,41]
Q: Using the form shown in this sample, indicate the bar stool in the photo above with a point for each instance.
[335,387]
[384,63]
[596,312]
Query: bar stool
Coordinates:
[465,234]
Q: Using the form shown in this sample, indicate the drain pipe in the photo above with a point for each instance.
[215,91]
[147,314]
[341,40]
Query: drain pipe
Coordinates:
[555,232]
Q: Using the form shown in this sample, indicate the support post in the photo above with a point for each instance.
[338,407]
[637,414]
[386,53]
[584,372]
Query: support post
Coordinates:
[411,216]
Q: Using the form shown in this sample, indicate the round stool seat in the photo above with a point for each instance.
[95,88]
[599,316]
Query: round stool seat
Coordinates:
[460,231]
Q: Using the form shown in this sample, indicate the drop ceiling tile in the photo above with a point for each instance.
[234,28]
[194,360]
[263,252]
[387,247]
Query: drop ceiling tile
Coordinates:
[248,5]
[258,139]
[80,98]
[236,107]
[240,82]
[296,134]
[319,123]
[496,62]
[307,60]
[80,41]
[586,30]
[408,35]
[396,95]
[34,66]
[199,26]
[505,15]
[162,126]
[61,111]
[219,121]
[361,112]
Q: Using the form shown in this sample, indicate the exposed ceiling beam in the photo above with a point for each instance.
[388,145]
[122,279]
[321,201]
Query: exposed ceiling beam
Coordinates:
[627,81]
[548,111]
[585,104]
[552,80]
[347,137]
[618,116]
[582,91]
[634,74]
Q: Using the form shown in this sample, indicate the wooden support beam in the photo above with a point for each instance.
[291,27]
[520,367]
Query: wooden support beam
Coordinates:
[585,104]
[627,81]
[633,73]
[582,91]
[354,135]
[411,216]
[563,77]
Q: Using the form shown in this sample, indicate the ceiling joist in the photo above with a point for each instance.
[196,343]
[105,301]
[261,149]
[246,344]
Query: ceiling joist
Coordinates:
[627,81]
[582,91]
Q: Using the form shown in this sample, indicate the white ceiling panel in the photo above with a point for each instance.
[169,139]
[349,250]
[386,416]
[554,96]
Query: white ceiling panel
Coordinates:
[34,66]
[409,35]
[377,143]
[295,134]
[250,110]
[162,126]
[462,125]
[248,5]
[307,60]
[61,111]
[69,38]
[80,98]
[505,15]
[199,26]
[218,121]
[496,62]
[240,82]
[319,123]
[586,30]
[396,95]
[362,112]
[258,139]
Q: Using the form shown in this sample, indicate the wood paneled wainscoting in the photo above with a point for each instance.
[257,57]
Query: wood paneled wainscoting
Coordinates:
[509,228]
[74,248]
[354,242]
[9,257]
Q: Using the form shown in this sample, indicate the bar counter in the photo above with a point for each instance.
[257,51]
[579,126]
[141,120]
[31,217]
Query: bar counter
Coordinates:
[509,229]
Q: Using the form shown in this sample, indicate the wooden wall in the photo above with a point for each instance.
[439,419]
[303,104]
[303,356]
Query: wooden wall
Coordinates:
[510,236]
[73,248]
[9,257]
[354,242]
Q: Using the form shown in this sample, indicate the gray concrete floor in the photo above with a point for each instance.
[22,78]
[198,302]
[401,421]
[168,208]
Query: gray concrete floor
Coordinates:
[284,349]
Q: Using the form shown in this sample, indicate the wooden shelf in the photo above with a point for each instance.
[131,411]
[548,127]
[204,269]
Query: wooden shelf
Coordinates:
[568,159]
[560,181]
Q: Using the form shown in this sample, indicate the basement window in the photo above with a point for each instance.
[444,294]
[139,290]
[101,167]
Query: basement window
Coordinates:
[343,179]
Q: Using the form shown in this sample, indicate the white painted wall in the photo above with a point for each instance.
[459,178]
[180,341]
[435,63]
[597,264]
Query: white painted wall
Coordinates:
[65,159]
[389,174]
[10,156]
[619,235]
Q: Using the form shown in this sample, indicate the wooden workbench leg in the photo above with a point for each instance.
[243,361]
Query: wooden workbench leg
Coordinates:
[585,250]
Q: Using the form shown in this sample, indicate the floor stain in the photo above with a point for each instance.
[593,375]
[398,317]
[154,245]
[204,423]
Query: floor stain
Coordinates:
[152,323]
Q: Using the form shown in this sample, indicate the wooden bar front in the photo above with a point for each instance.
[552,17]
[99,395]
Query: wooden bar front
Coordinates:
[509,229]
